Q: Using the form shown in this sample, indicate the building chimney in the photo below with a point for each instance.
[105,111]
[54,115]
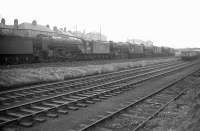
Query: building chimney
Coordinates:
[34,22]
[15,23]
[3,21]
[65,30]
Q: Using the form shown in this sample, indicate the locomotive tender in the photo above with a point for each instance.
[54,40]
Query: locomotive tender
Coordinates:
[19,45]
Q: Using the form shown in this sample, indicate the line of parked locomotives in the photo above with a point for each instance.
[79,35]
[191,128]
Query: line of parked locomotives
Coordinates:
[16,50]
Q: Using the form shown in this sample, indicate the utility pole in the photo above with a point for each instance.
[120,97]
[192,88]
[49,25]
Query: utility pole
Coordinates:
[100,33]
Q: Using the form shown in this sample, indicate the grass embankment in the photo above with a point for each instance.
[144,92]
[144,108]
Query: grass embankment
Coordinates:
[23,76]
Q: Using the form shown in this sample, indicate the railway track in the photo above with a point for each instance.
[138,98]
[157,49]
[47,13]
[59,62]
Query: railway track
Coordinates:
[134,114]
[9,97]
[36,111]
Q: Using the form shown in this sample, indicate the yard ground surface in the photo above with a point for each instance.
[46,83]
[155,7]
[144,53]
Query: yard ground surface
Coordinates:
[43,73]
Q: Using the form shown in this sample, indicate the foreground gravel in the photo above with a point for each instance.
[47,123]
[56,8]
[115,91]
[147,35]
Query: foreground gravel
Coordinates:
[183,114]
[20,76]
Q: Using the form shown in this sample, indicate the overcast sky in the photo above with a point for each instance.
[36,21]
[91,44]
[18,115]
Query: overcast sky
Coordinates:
[173,23]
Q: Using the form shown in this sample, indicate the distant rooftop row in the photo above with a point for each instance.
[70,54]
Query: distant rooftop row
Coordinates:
[33,29]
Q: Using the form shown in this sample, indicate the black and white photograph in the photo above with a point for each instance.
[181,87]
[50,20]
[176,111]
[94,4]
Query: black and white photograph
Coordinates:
[99,65]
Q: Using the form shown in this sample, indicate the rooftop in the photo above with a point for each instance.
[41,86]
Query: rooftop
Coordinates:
[37,27]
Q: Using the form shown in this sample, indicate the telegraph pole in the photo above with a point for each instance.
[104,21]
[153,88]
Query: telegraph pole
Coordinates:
[100,32]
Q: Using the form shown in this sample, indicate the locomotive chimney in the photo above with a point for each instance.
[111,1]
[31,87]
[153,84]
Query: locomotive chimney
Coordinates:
[55,28]
[3,21]
[15,23]
[34,22]
[47,26]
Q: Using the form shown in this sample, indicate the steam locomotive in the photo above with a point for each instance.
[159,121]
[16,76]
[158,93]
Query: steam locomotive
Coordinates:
[17,50]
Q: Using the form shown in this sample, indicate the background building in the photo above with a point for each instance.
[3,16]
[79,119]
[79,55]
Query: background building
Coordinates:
[24,29]
[90,36]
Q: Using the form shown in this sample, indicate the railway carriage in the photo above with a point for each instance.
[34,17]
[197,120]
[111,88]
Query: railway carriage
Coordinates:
[189,55]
